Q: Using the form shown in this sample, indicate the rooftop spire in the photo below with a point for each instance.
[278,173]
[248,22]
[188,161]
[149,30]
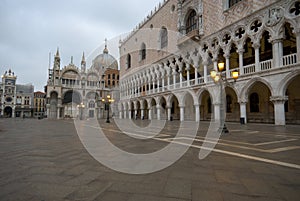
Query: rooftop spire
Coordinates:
[57,52]
[71,59]
[83,57]
[105,51]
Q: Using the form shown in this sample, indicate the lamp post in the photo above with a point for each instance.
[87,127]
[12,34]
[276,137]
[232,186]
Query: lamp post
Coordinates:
[81,107]
[107,102]
[219,78]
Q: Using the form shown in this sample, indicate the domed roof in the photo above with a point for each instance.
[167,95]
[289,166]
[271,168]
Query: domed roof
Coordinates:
[104,61]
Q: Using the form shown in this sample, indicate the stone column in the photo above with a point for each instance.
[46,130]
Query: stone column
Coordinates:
[217,111]
[196,75]
[163,82]
[256,49]
[125,114]
[277,52]
[120,114]
[13,115]
[181,112]
[48,110]
[227,65]
[279,112]
[205,71]
[129,113]
[197,113]
[243,111]
[297,32]
[169,113]
[174,78]
[150,113]
[158,112]
[241,64]
[188,75]
[57,114]
[157,84]
[142,113]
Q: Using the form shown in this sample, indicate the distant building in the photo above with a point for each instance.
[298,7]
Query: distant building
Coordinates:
[39,104]
[16,100]
[74,92]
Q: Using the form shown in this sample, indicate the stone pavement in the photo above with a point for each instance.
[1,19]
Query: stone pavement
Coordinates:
[45,160]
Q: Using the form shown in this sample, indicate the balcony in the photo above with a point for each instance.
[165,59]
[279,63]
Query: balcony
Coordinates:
[192,35]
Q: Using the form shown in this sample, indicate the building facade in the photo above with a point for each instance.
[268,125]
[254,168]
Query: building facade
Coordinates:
[16,100]
[74,92]
[166,61]
[39,103]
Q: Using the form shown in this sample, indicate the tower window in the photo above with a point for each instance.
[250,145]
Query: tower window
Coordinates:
[143,52]
[163,38]
[128,60]
[192,22]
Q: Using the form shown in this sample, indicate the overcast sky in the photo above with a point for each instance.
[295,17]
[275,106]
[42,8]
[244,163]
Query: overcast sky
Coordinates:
[31,29]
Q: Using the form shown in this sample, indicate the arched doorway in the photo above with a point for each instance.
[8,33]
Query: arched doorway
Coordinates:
[70,102]
[53,105]
[8,112]
[232,105]
[206,106]
[153,109]
[175,110]
[163,110]
[259,107]
[189,109]
[292,105]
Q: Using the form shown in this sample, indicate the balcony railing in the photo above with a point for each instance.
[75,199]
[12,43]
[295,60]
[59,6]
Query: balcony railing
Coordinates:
[249,69]
[289,59]
[266,65]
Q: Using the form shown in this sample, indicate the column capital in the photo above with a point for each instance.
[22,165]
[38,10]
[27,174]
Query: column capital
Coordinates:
[279,99]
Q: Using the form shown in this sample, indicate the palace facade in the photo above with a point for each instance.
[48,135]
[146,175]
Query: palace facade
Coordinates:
[74,92]
[166,61]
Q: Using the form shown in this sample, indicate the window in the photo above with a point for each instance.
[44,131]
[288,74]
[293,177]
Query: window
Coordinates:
[108,76]
[91,104]
[113,76]
[128,61]
[232,2]
[254,102]
[192,22]
[163,38]
[143,52]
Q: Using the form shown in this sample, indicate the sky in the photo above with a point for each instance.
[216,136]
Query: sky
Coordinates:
[33,29]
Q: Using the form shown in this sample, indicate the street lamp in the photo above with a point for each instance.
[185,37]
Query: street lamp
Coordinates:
[218,77]
[107,101]
[81,108]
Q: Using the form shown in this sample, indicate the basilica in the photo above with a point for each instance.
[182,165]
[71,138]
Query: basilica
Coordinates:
[170,62]
[77,92]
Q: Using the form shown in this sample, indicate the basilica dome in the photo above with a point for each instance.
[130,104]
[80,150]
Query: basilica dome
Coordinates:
[104,61]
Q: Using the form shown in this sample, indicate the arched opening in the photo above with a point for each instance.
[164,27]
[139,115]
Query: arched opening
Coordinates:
[132,110]
[8,112]
[145,106]
[163,108]
[93,105]
[205,106]
[234,57]
[53,105]
[138,110]
[128,61]
[265,50]
[189,109]
[289,40]
[259,107]
[232,105]
[163,38]
[70,102]
[143,52]
[175,110]
[292,106]
[153,109]
[91,109]
[249,53]
[191,21]
[70,78]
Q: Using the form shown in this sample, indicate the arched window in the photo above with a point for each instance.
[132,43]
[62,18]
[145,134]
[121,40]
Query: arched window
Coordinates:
[163,38]
[128,60]
[191,22]
[91,104]
[143,52]
[254,102]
